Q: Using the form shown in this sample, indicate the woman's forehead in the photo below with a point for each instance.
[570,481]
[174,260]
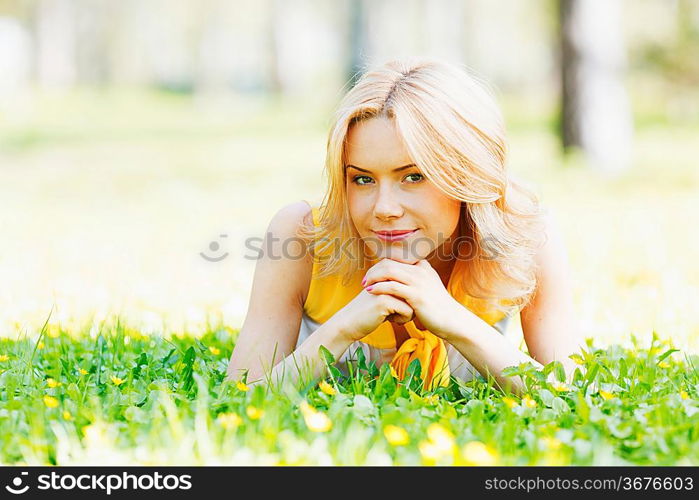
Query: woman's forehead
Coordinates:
[375,144]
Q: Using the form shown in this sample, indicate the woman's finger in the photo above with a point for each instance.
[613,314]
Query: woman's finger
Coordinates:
[402,314]
[394,288]
[389,270]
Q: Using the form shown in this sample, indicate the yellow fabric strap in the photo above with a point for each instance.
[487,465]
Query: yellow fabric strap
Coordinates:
[430,350]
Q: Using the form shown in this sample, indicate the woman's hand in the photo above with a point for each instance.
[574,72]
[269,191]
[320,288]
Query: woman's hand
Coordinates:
[421,288]
[363,314]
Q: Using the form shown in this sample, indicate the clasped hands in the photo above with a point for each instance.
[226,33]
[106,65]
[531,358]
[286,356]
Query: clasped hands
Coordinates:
[419,286]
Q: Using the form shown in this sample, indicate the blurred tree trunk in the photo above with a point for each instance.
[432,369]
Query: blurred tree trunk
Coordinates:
[274,38]
[55,24]
[357,41]
[595,111]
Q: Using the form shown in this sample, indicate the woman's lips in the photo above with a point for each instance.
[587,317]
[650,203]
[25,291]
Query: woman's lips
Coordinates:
[394,235]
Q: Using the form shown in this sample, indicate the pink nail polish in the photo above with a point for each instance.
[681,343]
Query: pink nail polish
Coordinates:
[368,289]
[363,281]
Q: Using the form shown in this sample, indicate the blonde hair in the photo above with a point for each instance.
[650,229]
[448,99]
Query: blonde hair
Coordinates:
[454,132]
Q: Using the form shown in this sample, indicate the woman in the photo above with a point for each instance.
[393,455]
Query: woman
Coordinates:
[422,249]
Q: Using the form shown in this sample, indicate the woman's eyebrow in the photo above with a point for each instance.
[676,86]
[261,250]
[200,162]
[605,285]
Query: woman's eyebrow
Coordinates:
[398,169]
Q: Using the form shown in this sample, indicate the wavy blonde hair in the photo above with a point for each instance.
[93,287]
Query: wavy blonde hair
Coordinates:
[454,132]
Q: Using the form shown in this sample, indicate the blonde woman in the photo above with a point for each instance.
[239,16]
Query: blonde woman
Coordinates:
[423,247]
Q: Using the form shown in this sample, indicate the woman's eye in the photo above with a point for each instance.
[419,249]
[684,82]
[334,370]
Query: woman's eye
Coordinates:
[414,177]
[361,179]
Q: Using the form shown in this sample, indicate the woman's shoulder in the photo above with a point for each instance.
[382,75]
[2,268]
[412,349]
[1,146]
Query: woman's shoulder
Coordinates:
[292,216]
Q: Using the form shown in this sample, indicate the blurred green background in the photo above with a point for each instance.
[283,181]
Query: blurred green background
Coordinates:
[134,133]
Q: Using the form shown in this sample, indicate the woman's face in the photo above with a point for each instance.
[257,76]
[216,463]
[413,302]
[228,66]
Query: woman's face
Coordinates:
[397,212]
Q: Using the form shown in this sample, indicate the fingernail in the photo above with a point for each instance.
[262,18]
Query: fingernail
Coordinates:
[363,281]
[368,289]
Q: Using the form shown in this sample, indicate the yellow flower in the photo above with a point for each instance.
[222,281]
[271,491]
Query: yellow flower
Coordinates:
[577,359]
[431,400]
[229,420]
[117,381]
[552,443]
[664,364]
[429,451]
[82,371]
[393,371]
[440,437]
[254,413]
[477,453]
[528,402]
[606,395]
[4,357]
[50,401]
[396,436]
[326,388]
[40,345]
[67,415]
[242,387]
[316,421]
[53,331]
[561,387]
[214,350]
[52,383]
[684,395]
[510,402]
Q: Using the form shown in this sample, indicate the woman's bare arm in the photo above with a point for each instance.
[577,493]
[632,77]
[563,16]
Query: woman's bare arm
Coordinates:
[271,326]
[549,323]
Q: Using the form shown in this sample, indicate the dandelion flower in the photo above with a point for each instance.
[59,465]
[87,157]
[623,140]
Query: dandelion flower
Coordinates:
[396,436]
[254,413]
[577,359]
[510,402]
[431,400]
[561,387]
[242,387]
[214,350]
[477,453]
[684,395]
[82,371]
[326,388]
[528,402]
[552,443]
[50,401]
[229,420]
[440,437]
[52,383]
[429,451]
[117,381]
[316,421]
[67,415]
[4,357]
[40,345]
[606,395]
[663,364]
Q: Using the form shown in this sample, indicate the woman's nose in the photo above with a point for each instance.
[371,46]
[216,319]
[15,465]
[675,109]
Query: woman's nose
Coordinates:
[387,204]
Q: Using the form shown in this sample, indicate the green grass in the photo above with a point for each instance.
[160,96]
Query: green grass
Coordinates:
[108,394]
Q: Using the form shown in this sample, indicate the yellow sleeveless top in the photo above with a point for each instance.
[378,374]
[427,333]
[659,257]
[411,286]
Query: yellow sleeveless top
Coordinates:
[328,295]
